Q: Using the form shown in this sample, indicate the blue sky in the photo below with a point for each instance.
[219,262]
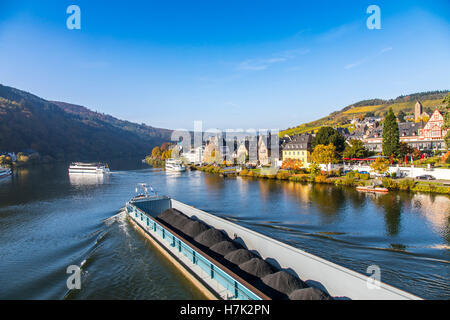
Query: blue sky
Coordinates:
[232,64]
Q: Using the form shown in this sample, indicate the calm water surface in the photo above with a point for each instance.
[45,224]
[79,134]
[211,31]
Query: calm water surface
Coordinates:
[49,221]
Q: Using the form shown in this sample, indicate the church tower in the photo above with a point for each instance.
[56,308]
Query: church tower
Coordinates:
[418,110]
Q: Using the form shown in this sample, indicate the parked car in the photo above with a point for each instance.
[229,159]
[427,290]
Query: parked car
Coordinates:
[363,172]
[426,177]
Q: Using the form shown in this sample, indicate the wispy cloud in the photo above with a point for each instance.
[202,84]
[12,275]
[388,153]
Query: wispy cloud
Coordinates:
[265,63]
[367,59]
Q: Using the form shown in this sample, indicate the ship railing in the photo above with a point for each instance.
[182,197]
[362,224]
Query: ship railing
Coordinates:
[233,286]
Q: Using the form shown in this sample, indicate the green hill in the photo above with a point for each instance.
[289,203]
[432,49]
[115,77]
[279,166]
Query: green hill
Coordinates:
[378,107]
[70,132]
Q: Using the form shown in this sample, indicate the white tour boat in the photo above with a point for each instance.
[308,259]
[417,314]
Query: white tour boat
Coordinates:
[88,168]
[5,172]
[174,165]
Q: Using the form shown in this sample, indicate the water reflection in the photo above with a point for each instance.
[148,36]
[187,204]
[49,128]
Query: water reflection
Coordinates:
[392,208]
[77,179]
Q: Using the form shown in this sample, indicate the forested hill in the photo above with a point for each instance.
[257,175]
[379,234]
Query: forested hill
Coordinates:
[378,107]
[70,132]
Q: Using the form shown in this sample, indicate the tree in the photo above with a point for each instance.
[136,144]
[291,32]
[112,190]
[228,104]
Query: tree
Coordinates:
[446,102]
[327,135]
[401,116]
[292,164]
[356,149]
[380,165]
[391,135]
[405,150]
[324,154]
[156,153]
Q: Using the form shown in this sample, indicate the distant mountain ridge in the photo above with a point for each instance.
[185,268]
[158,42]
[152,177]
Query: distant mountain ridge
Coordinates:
[341,118]
[71,132]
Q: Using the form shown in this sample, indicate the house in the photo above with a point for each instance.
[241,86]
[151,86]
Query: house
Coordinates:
[242,153]
[424,137]
[264,150]
[300,148]
[433,130]
[195,155]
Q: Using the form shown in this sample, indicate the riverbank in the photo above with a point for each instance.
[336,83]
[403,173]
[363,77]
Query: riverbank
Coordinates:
[351,179]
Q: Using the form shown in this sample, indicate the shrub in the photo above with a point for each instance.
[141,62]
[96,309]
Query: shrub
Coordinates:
[347,181]
[244,172]
[389,183]
[321,179]
[283,175]
[406,184]
[300,178]
[364,176]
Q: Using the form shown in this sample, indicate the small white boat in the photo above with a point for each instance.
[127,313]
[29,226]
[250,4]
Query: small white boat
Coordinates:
[372,189]
[88,168]
[174,165]
[5,172]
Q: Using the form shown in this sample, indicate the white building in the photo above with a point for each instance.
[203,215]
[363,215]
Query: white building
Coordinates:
[194,156]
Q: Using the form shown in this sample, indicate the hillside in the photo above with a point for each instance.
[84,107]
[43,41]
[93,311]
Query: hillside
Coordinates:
[70,132]
[378,107]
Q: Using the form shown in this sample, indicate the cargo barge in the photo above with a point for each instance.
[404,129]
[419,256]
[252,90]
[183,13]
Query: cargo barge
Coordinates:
[230,262]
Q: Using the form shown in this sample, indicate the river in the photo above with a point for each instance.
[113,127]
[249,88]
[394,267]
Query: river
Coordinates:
[49,221]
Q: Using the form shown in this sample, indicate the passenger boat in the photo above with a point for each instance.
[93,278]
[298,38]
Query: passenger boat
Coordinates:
[5,172]
[372,189]
[218,278]
[88,168]
[174,165]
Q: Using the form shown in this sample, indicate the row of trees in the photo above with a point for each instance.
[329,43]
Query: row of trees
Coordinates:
[163,152]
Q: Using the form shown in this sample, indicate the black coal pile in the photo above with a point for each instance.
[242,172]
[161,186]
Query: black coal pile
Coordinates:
[193,228]
[283,282]
[309,294]
[239,256]
[225,247]
[257,267]
[174,218]
[210,237]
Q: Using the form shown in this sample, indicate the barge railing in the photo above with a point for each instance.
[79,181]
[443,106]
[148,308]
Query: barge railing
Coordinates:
[216,272]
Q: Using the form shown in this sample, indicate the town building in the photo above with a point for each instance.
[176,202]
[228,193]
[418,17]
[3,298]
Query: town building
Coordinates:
[418,110]
[300,148]
[424,137]
[194,156]
[264,150]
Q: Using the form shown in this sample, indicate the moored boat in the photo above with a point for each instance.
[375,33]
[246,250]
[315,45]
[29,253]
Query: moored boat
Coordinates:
[169,224]
[372,189]
[88,168]
[174,165]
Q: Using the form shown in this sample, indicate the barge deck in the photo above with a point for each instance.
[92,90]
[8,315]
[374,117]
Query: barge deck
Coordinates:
[217,280]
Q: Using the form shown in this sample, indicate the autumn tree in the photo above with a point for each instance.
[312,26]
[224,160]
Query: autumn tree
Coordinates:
[380,165]
[156,152]
[292,164]
[391,135]
[324,154]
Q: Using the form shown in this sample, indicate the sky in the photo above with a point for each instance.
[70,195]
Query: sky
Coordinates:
[232,64]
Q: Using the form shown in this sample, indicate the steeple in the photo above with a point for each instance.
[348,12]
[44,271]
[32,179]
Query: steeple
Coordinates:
[418,110]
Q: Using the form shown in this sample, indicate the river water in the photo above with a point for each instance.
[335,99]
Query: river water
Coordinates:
[49,221]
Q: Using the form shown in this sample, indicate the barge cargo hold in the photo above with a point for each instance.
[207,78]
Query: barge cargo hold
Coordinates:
[311,276]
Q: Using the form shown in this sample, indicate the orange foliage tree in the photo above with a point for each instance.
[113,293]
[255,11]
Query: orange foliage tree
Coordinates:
[292,164]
